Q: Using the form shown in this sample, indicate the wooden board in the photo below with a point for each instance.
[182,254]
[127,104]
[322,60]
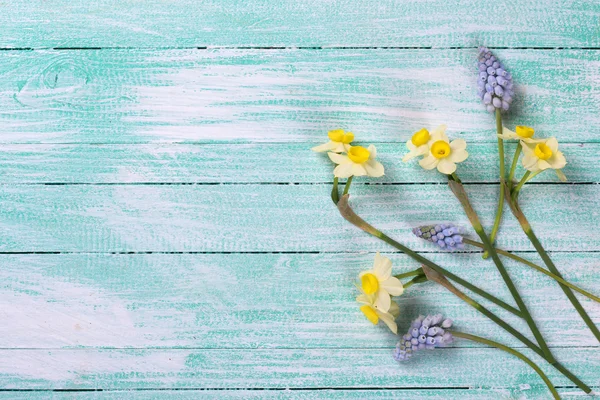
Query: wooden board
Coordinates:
[189,23]
[123,96]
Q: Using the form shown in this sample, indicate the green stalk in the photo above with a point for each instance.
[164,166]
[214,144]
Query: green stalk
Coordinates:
[348,183]
[461,195]
[516,210]
[537,268]
[516,190]
[501,196]
[514,353]
[335,194]
[350,216]
[419,279]
[513,167]
[418,271]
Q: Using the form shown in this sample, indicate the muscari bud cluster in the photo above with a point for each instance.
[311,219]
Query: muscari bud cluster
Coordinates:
[495,83]
[446,236]
[424,333]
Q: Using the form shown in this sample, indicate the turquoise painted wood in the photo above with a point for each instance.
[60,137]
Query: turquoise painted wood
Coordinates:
[166,232]
[233,95]
[189,23]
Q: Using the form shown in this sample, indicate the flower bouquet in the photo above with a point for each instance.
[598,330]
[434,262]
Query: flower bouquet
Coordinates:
[378,285]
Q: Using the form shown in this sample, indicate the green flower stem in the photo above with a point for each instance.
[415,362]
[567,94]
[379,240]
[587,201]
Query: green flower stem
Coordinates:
[350,216]
[516,210]
[347,187]
[537,268]
[462,197]
[517,189]
[335,194]
[514,353]
[419,279]
[502,172]
[513,167]
[418,271]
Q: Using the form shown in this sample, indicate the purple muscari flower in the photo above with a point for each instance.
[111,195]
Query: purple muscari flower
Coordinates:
[495,83]
[446,236]
[424,333]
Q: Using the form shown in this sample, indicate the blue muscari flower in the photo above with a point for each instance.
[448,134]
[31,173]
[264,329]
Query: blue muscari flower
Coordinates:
[424,333]
[495,83]
[446,236]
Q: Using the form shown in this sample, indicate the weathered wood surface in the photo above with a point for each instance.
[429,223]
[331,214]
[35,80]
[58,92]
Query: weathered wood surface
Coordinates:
[165,229]
[249,301]
[282,368]
[189,23]
[273,218]
[249,163]
[124,96]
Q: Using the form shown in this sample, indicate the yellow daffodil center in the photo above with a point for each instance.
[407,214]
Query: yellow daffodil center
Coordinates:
[370,283]
[440,149]
[358,154]
[421,137]
[524,131]
[370,314]
[542,151]
[339,135]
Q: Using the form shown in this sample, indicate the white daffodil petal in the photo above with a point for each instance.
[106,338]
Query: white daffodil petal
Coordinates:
[364,299]
[409,156]
[394,310]
[445,166]
[343,170]
[529,161]
[325,147]
[393,286]
[429,162]
[374,168]
[382,267]
[358,169]
[372,152]
[558,160]
[410,145]
[382,300]
[458,144]
[553,144]
[388,319]
[508,134]
[458,156]
[339,158]
[543,165]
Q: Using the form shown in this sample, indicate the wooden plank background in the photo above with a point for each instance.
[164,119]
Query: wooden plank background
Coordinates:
[165,230]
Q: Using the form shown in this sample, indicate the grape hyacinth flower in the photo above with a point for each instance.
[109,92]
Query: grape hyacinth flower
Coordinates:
[495,83]
[424,333]
[446,236]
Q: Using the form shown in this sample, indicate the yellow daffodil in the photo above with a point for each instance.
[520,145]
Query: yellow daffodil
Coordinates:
[444,154]
[522,133]
[420,142]
[357,162]
[380,283]
[339,142]
[542,154]
[374,314]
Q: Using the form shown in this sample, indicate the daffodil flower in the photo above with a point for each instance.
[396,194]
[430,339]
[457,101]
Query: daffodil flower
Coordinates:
[543,154]
[522,133]
[380,283]
[374,314]
[357,162]
[339,142]
[444,154]
[419,144]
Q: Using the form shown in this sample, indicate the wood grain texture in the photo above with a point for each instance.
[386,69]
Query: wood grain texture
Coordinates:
[249,163]
[188,23]
[523,391]
[267,218]
[249,301]
[344,368]
[123,96]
